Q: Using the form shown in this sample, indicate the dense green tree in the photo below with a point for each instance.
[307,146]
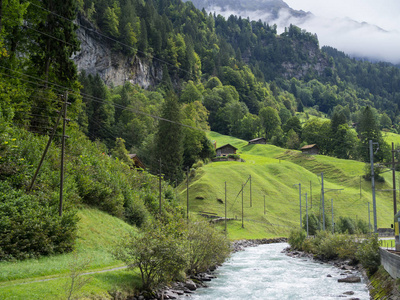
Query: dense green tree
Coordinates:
[250,127]
[169,139]
[385,121]
[270,121]
[293,123]
[316,131]
[190,93]
[284,114]
[293,140]
[51,57]
[368,129]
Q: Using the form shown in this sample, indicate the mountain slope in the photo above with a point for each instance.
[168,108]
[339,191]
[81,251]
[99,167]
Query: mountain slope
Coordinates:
[275,174]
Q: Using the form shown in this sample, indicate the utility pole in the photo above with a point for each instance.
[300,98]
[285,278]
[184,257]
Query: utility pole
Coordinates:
[301,225]
[45,151]
[187,192]
[394,182]
[242,206]
[369,220]
[323,202]
[311,193]
[251,200]
[60,208]
[159,179]
[371,155]
[360,187]
[333,224]
[307,214]
[264,204]
[226,230]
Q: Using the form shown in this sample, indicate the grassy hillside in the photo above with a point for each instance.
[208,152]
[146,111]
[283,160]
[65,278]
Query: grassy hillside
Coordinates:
[98,231]
[275,174]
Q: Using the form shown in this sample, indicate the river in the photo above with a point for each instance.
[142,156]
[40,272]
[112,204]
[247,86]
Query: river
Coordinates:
[264,272]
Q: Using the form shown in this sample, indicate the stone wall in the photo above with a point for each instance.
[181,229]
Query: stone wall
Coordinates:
[391,263]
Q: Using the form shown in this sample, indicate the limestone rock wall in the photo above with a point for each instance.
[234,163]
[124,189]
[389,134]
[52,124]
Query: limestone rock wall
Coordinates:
[115,68]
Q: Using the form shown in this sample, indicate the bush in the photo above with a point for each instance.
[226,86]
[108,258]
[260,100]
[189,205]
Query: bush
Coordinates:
[158,251]
[207,247]
[296,238]
[325,245]
[368,254]
[30,226]
[345,225]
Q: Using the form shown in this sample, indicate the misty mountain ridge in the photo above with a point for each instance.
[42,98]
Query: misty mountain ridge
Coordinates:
[355,38]
[268,10]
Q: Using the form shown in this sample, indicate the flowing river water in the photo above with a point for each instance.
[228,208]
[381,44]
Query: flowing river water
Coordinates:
[264,272]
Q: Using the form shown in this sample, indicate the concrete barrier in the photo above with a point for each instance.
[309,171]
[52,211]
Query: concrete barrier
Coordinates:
[391,262]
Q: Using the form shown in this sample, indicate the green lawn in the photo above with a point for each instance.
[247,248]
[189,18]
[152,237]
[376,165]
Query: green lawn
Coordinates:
[275,174]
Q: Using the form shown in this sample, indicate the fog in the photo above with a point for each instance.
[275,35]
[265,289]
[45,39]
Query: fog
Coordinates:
[360,28]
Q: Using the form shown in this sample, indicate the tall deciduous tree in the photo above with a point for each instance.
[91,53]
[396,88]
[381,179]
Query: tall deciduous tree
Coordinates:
[270,120]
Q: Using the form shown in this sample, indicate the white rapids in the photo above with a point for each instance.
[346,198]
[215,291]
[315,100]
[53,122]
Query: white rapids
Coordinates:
[264,272]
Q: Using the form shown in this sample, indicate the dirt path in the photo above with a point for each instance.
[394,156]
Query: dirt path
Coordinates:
[13,283]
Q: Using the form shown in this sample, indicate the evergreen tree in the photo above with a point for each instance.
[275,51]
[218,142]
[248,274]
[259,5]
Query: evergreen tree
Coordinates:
[368,129]
[169,140]
[56,43]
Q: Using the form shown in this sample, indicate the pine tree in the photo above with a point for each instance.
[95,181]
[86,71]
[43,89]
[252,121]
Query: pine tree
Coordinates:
[169,140]
[57,42]
[368,129]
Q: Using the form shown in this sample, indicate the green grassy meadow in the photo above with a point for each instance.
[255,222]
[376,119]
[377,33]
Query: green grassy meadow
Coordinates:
[97,234]
[276,174]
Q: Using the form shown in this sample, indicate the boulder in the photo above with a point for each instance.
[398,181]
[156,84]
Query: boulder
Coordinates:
[190,285]
[349,293]
[350,279]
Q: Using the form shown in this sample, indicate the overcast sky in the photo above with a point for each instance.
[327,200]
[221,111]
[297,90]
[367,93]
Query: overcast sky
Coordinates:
[334,27]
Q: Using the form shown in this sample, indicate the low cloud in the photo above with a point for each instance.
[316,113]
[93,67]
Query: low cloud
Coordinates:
[356,39]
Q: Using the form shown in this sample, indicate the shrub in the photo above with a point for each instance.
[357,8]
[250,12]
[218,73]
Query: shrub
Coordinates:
[30,225]
[234,156]
[207,247]
[368,254]
[296,238]
[158,251]
[346,246]
[345,225]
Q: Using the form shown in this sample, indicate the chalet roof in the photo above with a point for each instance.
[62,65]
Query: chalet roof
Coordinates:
[227,145]
[257,139]
[309,146]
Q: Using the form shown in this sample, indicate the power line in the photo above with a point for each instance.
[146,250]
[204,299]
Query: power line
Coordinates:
[114,40]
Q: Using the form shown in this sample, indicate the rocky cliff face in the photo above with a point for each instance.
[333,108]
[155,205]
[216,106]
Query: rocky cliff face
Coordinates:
[96,56]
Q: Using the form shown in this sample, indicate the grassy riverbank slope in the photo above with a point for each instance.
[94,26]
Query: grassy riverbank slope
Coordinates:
[276,174]
[48,277]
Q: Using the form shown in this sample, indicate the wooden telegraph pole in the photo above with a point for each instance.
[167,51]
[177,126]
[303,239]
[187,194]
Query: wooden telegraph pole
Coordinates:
[60,209]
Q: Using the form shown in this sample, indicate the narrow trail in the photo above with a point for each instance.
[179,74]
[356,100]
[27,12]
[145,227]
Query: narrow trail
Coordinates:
[13,283]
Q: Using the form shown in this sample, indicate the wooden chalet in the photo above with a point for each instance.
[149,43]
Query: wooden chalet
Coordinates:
[310,149]
[260,140]
[136,161]
[225,150]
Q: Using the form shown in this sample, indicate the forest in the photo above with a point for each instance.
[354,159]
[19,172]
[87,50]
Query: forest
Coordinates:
[234,76]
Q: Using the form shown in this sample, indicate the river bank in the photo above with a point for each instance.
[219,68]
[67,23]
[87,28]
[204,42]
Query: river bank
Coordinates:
[266,272]
[200,280]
